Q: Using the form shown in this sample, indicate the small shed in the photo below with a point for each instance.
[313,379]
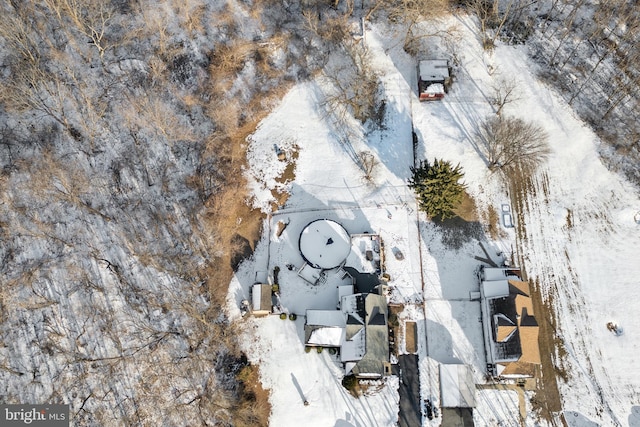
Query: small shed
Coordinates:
[261,304]
[457,388]
[434,79]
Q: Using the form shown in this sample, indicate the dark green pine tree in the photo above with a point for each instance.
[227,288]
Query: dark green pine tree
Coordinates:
[438,188]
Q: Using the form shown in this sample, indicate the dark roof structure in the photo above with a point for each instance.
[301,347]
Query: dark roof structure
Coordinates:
[511,330]
[508,350]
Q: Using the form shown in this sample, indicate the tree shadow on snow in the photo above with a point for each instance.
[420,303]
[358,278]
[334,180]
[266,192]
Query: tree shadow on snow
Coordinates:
[456,232]
[392,141]
[241,250]
[634,417]
[442,352]
[576,419]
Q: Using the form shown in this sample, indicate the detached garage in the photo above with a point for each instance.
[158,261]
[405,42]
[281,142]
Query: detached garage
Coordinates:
[457,388]
[434,79]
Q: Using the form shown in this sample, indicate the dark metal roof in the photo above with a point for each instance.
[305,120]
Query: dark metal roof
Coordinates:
[511,348]
[365,282]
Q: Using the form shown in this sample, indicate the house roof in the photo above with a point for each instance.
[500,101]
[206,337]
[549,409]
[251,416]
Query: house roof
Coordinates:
[519,286]
[530,347]
[354,325]
[324,327]
[509,349]
[353,305]
[517,369]
[325,318]
[326,336]
[353,349]
[435,89]
[359,328]
[457,388]
[492,273]
[514,328]
[261,297]
[432,70]
[495,288]
[505,332]
[376,337]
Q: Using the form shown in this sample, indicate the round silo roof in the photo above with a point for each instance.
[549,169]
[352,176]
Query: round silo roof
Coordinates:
[324,244]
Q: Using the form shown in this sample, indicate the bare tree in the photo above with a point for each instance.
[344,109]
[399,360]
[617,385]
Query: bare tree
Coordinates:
[505,92]
[412,13]
[354,84]
[152,113]
[511,143]
[368,163]
[492,15]
[18,33]
[91,17]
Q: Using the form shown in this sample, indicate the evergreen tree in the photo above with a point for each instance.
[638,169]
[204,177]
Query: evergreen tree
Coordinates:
[438,187]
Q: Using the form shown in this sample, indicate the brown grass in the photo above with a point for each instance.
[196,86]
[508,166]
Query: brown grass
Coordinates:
[410,337]
[233,228]
[546,402]
[547,399]
[467,209]
[492,219]
[256,409]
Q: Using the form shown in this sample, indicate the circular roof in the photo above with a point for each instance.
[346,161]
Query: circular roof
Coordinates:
[324,244]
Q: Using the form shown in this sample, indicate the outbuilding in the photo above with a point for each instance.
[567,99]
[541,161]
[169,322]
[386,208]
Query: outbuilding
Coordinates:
[434,79]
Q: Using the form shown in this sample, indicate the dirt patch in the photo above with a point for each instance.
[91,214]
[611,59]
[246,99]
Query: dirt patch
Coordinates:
[411,332]
[288,175]
[394,326]
[280,227]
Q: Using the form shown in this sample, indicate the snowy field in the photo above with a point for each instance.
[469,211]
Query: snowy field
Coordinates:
[581,244]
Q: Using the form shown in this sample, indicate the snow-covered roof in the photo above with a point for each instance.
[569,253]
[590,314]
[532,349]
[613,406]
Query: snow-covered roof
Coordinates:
[457,388]
[434,69]
[327,336]
[326,318]
[353,305]
[261,297]
[495,289]
[492,273]
[344,290]
[354,349]
[324,244]
[376,338]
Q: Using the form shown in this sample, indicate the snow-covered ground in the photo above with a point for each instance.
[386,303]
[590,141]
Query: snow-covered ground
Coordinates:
[581,243]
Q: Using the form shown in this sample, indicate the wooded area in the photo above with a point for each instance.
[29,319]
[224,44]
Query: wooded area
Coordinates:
[122,143]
